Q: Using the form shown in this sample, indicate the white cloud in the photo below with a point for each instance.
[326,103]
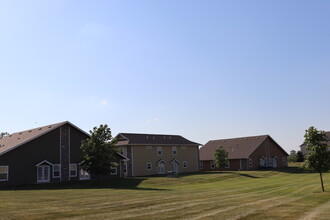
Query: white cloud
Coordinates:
[104,102]
[153,120]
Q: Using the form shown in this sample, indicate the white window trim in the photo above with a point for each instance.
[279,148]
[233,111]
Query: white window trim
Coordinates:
[161,151]
[212,165]
[147,167]
[84,177]
[76,170]
[3,180]
[184,164]
[250,163]
[59,176]
[125,166]
[114,168]
[43,181]
[174,149]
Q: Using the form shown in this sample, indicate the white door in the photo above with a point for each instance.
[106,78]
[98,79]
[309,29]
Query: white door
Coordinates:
[175,167]
[274,162]
[161,168]
[43,174]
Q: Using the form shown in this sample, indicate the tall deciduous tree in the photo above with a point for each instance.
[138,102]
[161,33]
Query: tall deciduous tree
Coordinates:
[99,151]
[220,158]
[318,159]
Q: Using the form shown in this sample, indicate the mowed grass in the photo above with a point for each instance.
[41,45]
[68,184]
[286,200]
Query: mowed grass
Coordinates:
[213,195]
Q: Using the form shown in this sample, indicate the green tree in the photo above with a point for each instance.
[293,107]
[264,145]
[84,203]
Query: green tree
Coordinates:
[3,134]
[220,158]
[318,159]
[300,156]
[98,151]
[293,157]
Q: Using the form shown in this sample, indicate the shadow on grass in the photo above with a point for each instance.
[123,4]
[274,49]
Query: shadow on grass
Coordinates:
[124,183]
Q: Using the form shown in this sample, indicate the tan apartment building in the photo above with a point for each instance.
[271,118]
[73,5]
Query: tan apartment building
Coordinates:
[151,154]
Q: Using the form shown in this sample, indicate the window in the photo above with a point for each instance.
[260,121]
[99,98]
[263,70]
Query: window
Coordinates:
[149,166]
[159,151]
[227,164]
[174,152]
[270,162]
[125,167]
[4,173]
[184,164]
[212,165]
[73,170]
[84,175]
[56,171]
[122,150]
[250,163]
[43,174]
[201,165]
[113,168]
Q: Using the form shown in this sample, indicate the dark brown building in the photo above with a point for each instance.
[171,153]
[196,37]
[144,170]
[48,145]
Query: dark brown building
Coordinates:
[46,154]
[245,153]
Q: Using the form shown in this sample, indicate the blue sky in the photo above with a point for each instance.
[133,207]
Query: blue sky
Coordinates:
[202,69]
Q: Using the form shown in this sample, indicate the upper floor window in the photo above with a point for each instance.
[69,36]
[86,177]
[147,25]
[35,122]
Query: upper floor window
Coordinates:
[149,166]
[174,151]
[56,171]
[159,151]
[73,170]
[122,151]
[4,173]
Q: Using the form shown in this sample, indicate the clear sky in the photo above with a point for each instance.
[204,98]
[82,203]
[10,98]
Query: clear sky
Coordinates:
[202,69]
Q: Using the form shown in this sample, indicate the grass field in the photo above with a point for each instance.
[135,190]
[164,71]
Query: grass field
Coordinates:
[230,195]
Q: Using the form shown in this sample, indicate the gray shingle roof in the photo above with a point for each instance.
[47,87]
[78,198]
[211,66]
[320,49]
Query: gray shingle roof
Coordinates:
[19,138]
[153,139]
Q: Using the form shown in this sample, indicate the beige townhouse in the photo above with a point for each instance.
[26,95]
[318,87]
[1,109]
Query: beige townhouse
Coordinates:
[151,154]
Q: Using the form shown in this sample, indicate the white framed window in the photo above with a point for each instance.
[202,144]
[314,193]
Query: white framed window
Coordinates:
[148,166]
[73,170]
[212,164]
[56,170]
[122,150]
[84,175]
[174,151]
[184,164]
[250,163]
[113,168]
[201,165]
[4,171]
[159,151]
[227,164]
[270,162]
[43,174]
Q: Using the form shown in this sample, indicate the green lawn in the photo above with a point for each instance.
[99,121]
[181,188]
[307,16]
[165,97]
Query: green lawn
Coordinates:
[230,195]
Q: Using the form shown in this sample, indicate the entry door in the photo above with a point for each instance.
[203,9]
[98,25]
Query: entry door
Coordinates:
[43,174]
[161,168]
[175,167]
[274,162]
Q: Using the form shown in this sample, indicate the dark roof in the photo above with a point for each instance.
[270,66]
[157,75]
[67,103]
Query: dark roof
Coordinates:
[237,148]
[152,139]
[17,139]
